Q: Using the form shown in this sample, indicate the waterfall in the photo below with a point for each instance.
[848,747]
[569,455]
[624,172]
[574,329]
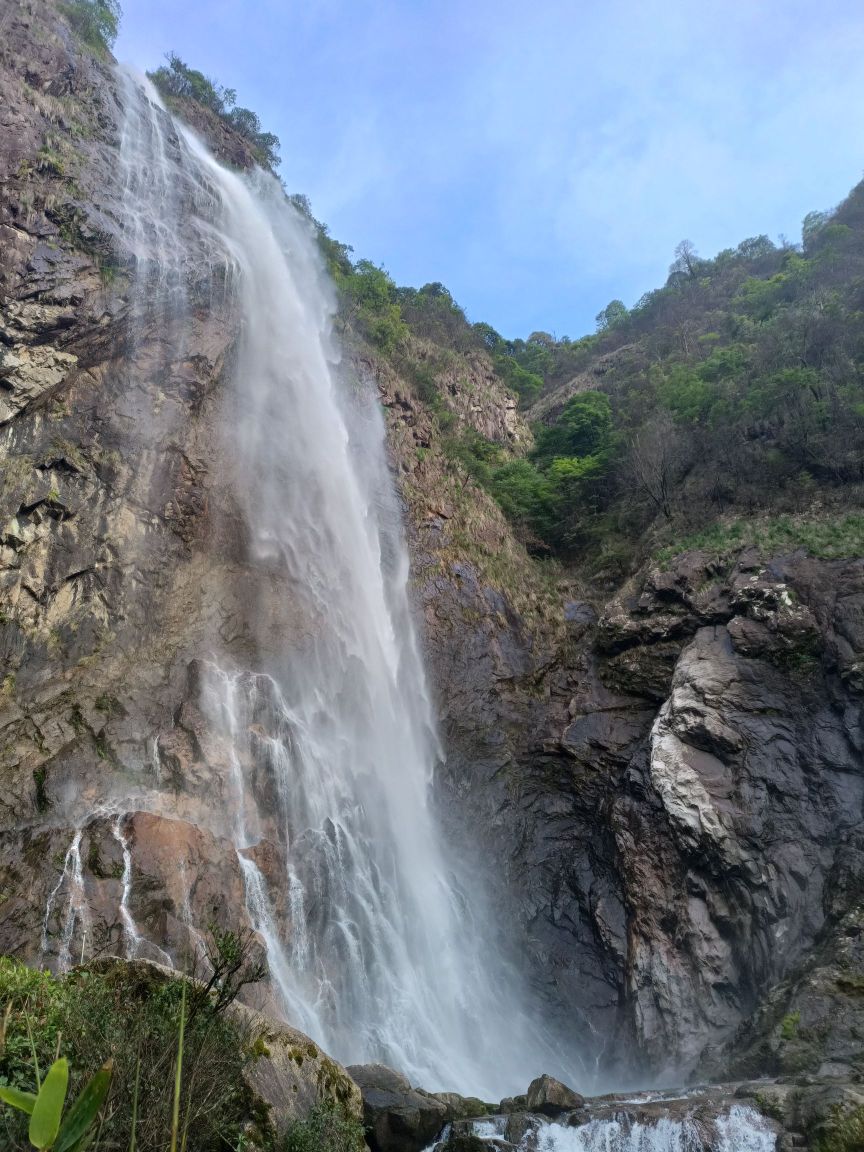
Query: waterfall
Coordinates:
[378,946]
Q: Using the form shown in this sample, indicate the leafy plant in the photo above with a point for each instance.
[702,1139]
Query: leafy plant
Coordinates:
[49,1128]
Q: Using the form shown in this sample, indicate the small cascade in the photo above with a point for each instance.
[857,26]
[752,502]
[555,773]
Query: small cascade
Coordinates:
[77,908]
[740,1129]
[132,937]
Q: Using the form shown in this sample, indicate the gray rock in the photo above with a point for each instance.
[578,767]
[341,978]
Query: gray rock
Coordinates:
[550,1097]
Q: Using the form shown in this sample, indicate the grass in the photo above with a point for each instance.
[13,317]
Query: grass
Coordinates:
[837,537]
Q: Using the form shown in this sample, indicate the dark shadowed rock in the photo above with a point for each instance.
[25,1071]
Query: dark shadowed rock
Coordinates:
[398,1118]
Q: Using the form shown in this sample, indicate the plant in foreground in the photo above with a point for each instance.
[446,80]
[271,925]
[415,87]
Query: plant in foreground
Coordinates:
[49,1128]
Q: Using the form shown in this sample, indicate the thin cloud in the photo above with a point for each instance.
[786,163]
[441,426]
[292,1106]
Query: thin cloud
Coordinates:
[539,159]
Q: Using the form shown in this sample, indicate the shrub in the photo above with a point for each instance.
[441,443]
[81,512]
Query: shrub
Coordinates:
[126,1012]
[95,22]
[325,1129]
[179,81]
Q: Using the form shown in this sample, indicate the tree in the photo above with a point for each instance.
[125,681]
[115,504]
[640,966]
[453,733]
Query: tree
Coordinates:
[686,260]
[614,312]
[95,21]
[657,461]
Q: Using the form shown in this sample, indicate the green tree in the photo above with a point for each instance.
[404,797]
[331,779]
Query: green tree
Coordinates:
[612,315]
[96,22]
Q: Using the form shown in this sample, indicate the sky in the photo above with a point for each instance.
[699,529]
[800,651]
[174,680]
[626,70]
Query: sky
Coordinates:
[541,157]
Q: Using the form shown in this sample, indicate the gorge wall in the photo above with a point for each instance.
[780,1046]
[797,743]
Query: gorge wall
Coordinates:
[664,782]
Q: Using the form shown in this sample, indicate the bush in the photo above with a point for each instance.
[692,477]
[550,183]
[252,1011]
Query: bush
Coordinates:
[125,1012]
[325,1129]
[179,81]
[95,22]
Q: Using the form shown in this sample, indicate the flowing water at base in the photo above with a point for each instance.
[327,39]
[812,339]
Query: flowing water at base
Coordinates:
[741,1129]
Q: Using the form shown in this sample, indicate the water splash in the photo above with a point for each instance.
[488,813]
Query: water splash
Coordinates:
[379,947]
[741,1129]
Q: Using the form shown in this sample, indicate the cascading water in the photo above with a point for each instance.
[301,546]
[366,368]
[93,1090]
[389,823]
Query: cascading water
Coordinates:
[739,1129]
[378,949]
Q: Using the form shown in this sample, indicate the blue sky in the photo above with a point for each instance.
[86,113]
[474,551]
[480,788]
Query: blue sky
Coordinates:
[538,157]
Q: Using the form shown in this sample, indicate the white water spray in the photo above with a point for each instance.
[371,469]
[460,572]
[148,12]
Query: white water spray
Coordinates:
[740,1129]
[378,948]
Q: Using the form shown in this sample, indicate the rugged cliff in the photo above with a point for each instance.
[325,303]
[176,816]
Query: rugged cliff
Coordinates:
[664,782]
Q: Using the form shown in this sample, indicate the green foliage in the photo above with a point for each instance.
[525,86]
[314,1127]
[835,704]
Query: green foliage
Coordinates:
[789,1025]
[843,1132]
[525,495]
[125,1013]
[829,537]
[371,304]
[527,385]
[178,81]
[47,1111]
[47,1128]
[584,428]
[95,22]
[326,1129]
[613,314]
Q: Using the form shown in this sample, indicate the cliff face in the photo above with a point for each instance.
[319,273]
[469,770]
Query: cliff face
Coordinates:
[665,788]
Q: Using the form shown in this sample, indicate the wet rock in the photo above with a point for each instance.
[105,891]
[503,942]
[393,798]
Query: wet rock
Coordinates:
[29,373]
[459,1107]
[513,1104]
[398,1118]
[550,1097]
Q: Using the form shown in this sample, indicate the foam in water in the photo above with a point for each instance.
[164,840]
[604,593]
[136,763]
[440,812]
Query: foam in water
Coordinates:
[379,948]
[741,1129]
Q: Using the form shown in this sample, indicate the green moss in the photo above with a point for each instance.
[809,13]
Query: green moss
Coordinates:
[789,1025]
[769,1106]
[40,777]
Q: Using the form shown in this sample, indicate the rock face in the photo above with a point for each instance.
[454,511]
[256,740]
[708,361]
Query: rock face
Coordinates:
[664,790]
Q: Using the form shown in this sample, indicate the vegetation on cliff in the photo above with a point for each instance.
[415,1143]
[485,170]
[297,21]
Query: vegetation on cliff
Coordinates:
[732,393]
[177,81]
[130,1014]
[96,22]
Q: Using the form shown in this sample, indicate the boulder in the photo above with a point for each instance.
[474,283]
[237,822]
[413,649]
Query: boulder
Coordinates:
[460,1107]
[551,1097]
[398,1118]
